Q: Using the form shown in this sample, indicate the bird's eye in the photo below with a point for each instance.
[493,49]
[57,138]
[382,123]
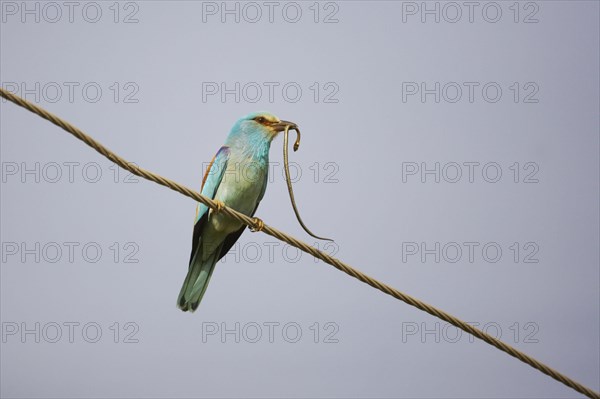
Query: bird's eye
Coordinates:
[260,119]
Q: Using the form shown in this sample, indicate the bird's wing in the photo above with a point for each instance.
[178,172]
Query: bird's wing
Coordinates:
[233,237]
[210,183]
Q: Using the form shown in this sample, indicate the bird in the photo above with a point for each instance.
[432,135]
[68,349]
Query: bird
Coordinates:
[236,177]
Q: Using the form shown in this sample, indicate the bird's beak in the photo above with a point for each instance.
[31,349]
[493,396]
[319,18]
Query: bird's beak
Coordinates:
[281,125]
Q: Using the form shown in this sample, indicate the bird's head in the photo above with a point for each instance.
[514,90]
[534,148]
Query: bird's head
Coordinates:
[261,125]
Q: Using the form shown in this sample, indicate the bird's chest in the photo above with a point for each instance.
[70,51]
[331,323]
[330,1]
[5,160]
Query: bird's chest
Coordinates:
[242,184]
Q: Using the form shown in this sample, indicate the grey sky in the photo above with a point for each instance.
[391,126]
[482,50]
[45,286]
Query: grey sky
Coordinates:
[163,85]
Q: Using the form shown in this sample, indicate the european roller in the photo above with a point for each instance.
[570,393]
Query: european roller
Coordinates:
[237,177]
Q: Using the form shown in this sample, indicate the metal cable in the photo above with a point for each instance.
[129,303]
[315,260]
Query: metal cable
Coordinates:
[258,225]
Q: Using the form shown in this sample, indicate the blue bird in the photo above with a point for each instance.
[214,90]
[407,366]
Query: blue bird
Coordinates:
[237,177]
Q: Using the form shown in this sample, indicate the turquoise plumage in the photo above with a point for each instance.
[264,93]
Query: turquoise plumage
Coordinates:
[237,176]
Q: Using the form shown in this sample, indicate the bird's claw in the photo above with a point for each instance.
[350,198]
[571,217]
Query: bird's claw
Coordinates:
[258,225]
[220,205]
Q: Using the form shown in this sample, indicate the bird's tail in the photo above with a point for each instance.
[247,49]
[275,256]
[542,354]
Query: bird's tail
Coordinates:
[197,279]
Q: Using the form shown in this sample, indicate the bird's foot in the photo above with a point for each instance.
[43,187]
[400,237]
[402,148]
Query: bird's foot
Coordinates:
[258,225]
[220,206]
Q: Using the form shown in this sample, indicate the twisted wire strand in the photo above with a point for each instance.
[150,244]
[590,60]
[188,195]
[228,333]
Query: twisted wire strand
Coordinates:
[257,225]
